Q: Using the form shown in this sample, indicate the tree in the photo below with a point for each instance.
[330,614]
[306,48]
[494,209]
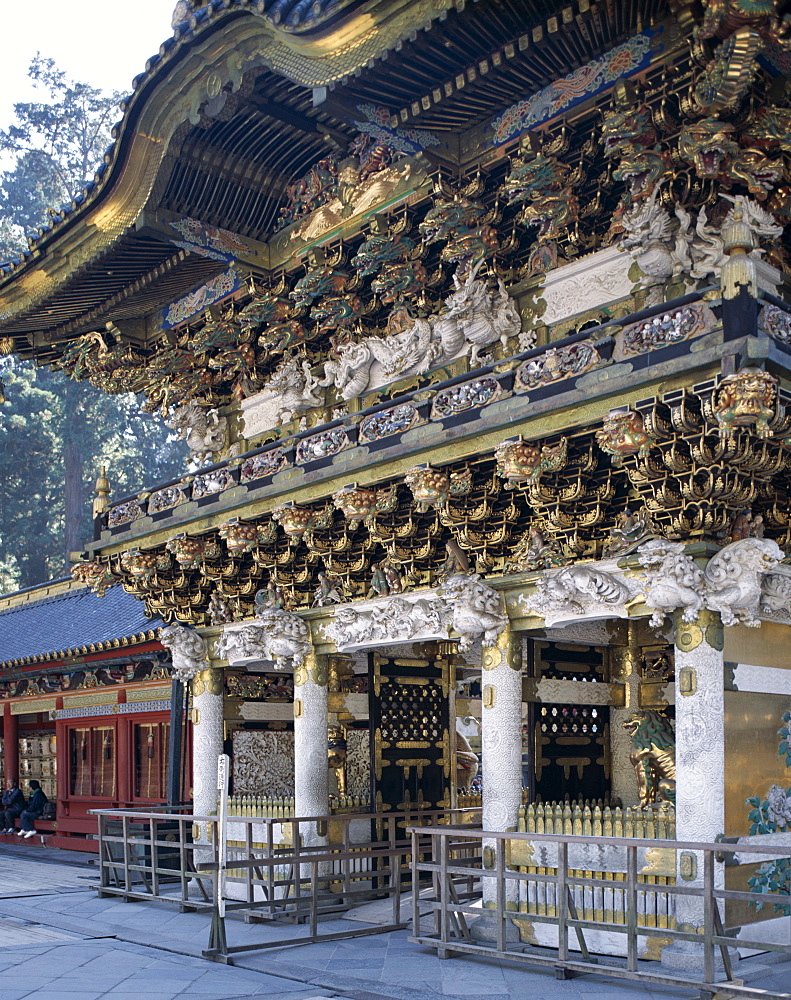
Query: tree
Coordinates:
[54,436]
[55,433]
[57,142]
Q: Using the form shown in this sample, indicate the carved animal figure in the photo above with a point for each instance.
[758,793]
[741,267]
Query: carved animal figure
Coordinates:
[673,580]
[734,577]
[653,756]
[648,235]
[295,387]
[477,610]
[205,431]
[188,650]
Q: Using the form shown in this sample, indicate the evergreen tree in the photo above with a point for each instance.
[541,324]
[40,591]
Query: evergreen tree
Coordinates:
[55,433]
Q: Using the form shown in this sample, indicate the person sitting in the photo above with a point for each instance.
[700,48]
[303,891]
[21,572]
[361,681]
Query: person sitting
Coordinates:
[35,807]
[13,802]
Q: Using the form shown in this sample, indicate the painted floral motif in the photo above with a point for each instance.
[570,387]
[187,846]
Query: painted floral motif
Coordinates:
[463,397]
[265,464]
[669,328]
[124,513]
[624,60]
[212,482]
[166,498]
[772,815]
[208,241]
[209,293]
[386,422]
[402,140]
[555,364]
[323,445]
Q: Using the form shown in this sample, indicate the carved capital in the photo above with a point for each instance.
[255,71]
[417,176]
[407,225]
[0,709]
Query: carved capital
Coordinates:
[208,681]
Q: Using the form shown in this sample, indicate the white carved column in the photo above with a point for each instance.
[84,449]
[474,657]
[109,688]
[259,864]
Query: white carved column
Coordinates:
[207,738]
[501,745]
[700,765]
[625,669]
[311,774]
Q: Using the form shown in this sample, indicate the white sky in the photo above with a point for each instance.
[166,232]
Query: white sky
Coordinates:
[101,42]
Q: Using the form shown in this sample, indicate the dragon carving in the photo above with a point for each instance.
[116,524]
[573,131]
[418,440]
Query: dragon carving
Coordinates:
[653,756]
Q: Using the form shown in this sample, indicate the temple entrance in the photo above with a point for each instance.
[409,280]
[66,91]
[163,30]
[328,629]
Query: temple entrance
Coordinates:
[411,750]
[571,741]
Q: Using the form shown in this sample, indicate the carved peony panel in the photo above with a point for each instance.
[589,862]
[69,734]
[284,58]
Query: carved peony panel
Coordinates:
[358,763]
[263,763]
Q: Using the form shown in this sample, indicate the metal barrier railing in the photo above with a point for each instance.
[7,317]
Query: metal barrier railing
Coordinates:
[299,869]
[457,853]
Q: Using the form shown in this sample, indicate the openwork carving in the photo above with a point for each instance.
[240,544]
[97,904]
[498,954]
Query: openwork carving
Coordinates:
[673,581]
[746,399]
[275,635]
[391,619]
[734,576]
[205,432]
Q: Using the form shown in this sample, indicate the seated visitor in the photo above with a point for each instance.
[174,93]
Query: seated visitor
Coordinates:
[35,807]
[13,802]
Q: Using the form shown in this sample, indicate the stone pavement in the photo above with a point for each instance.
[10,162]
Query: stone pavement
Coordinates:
[68,944]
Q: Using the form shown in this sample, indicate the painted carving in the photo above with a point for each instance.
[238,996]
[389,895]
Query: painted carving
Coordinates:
[433,487]
[629,530]
[188,651]
[534,552]
[323,445]
[97,576]
[293,387]
[386,422]
[747,398]
[706,244]
[669,328]
[556,363]
[734,576]
[477,611]
[265,464]
[672,581]
[473,318]
[653,756]
[622,435]
[462,226]
[329,590]
[205,431]
[521,461]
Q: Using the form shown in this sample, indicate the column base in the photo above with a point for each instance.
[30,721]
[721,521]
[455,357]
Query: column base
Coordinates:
[687,956]
[484,929]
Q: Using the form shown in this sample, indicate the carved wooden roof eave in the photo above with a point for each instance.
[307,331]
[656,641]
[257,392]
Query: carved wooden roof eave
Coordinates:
[174,93]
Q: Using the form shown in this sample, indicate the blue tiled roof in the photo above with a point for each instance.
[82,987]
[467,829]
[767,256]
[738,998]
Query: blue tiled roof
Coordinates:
[70,621]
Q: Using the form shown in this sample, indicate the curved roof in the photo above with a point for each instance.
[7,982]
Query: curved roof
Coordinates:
[247,95]
[72,623]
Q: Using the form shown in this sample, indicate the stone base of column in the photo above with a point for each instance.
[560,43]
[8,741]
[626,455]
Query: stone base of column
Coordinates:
[687,956]
[484,929]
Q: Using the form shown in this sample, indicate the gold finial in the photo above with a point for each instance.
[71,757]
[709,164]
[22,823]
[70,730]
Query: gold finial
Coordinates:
[102,501]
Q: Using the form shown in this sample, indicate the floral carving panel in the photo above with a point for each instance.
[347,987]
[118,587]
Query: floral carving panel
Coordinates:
[263,763]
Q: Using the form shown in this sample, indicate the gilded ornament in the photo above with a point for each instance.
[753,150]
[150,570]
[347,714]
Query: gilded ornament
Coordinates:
[521,461]
[747,398]
[207,681]
[623,434]
[97,576]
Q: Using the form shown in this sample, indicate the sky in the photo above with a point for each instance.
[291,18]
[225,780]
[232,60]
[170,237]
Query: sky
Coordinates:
[101,42]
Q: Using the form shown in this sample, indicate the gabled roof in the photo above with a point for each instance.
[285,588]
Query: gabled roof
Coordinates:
[72,623]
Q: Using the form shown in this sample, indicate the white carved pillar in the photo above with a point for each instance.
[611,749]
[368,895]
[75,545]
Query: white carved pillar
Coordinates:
[501,745]
[625,669]
[207,745]
[311,775]
[700,765]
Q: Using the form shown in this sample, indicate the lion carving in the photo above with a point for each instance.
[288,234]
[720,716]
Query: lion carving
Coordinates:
[653,756]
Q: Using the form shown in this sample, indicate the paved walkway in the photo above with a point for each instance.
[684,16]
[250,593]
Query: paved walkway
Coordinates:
[67,944]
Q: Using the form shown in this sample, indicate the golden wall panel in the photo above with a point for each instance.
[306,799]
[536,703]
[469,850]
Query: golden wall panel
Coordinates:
[767,646]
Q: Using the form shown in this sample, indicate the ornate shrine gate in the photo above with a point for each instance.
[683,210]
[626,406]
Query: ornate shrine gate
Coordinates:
[411,751]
